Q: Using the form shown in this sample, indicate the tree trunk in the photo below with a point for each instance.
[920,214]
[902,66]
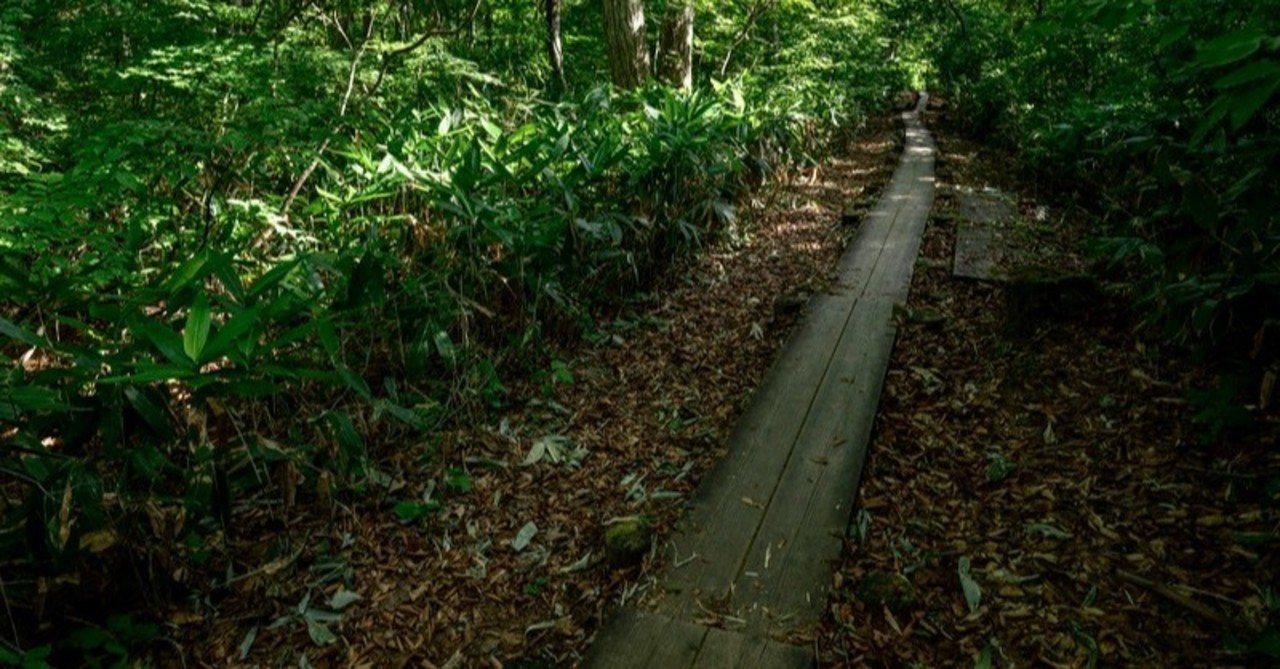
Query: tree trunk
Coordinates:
[555,52]
[624,40]
[675,47]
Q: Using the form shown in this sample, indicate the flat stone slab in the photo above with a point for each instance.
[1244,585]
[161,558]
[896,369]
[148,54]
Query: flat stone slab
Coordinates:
[974,257]
[984,215]
[751,561]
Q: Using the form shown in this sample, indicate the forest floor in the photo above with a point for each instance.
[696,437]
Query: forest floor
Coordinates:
[1055,454]
[512,570]
[1053,451]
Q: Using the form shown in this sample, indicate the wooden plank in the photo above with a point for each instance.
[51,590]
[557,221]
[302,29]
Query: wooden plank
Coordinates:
[730,503]
[849,401]
[715,544]
[986,206]
[788,563]
[864,251]
[786,488]
[721,649]
[678,646]
[901,212]
[801,533]
[785,656]
[638,640]
[798,594]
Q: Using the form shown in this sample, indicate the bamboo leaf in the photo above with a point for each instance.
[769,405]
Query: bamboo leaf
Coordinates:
[196,333]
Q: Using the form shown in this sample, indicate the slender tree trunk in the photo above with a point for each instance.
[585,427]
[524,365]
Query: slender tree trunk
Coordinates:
[555,52]
[624,40]
[675,48]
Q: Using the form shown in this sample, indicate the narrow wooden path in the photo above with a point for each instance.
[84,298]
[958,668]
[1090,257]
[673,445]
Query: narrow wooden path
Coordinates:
[750,565]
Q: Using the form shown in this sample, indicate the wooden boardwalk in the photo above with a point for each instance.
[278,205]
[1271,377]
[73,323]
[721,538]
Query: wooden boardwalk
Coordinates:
[750,565]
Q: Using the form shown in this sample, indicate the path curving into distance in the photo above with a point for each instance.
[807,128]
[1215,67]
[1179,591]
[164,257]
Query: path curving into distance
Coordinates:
[749,566]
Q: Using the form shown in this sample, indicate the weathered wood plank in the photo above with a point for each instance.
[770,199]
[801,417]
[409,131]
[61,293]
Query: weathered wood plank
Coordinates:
[721,649]
[802,531]
[718,544]
[639,640]
[730,503]
[759,535]
[783,656]
[799,593]
[986,206]
[636,639]
[783,576]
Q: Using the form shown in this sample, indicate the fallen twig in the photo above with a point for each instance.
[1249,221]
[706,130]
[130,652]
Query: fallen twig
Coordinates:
[1172,595]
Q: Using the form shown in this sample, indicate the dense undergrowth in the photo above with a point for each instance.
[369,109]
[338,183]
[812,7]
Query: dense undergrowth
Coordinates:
[245,246]
[1159,117]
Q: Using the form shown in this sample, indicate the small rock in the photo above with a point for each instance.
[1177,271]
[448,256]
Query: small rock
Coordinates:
[852,214]
[789,304]
[926,316]
[880,588]
[627,541]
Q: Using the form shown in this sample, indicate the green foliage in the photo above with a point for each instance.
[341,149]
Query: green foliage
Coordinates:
[1160,110]
[35,658]
[244,243]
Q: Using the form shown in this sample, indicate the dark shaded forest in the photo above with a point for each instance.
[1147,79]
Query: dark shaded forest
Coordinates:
[287,287]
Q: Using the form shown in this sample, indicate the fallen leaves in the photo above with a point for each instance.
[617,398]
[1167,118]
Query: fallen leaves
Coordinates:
[1044,492]
[491,549]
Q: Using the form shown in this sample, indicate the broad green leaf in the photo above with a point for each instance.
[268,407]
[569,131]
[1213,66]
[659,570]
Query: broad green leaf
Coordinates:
[28,399]
[968,586]
[1229,48]
[444,345]
[225,339]
[148,373]
[342,599]
[152,414]
[196,332]
[187,273]
[247,643]
[17,333]
[1246,103]
[273,277]
[13,275]
[985,658]
[411,511]
[168,342]
[225,270]
[319,633]
[524,536]
[1172,36]
[355,382]
[1249,73]
[328,337]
